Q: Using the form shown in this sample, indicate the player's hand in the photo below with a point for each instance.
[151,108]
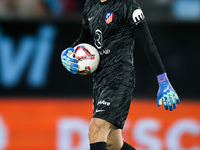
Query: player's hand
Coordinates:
[68,61]
[166,93]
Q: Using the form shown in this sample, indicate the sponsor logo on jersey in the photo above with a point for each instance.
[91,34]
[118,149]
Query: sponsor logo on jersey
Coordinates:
[98,39]
[109,17]
[138,16]
[104,52]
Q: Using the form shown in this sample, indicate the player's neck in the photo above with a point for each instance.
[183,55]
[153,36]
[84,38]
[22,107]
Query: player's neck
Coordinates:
[103,0]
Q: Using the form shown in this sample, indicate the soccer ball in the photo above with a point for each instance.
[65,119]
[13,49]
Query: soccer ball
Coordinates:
[88,58]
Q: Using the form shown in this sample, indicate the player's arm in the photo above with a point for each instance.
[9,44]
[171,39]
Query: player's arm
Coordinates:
[68,61]
[166,93]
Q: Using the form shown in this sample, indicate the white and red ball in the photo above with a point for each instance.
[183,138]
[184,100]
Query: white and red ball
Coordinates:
[88,58]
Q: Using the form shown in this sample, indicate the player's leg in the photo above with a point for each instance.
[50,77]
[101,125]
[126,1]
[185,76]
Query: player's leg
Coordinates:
[111,104]
[98,133]
[126,146]
[115,141]
[99,130]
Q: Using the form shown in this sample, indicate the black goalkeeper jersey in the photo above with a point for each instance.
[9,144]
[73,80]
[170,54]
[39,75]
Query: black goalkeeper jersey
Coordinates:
[112,27]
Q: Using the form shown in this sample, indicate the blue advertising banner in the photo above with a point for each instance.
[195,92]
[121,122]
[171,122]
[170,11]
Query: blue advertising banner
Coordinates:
[30,60]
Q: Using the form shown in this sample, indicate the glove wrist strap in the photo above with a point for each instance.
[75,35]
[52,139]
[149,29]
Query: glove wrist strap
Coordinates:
[162,78]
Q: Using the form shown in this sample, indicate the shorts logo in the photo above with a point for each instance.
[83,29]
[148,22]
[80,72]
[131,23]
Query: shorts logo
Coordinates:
[99,110]
[138,16]
[109,17]
[103,103]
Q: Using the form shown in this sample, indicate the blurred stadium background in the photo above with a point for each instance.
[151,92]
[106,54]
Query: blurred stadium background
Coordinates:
[42,106]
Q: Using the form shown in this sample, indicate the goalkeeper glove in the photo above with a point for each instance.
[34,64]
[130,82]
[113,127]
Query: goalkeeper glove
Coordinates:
[68,61]
[166,93]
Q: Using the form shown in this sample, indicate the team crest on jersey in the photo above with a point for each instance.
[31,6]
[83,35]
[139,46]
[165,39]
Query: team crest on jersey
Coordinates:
[109,17]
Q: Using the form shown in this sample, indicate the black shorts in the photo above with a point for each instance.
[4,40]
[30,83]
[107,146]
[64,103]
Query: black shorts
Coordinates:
[112,103]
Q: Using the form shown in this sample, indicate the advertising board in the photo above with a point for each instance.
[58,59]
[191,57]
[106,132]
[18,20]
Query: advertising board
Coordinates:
[62,124]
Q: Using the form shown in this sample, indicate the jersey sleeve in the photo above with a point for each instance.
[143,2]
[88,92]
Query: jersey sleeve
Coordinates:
[137,22]
[134,15]
[145,41]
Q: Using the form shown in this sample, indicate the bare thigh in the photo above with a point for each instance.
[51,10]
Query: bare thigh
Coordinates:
[99,130]
[114,140]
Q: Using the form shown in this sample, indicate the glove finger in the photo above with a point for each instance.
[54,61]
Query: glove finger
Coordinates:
[67,63]
[70,49]
[169,102]
[174,102]
[72,71]
[67,51]
[67,58]
[177,99]
[66,55]
[71,68]
[165,103]
[159,100]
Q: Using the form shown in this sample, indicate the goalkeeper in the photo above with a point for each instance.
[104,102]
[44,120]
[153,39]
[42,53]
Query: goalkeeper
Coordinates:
[114,26]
